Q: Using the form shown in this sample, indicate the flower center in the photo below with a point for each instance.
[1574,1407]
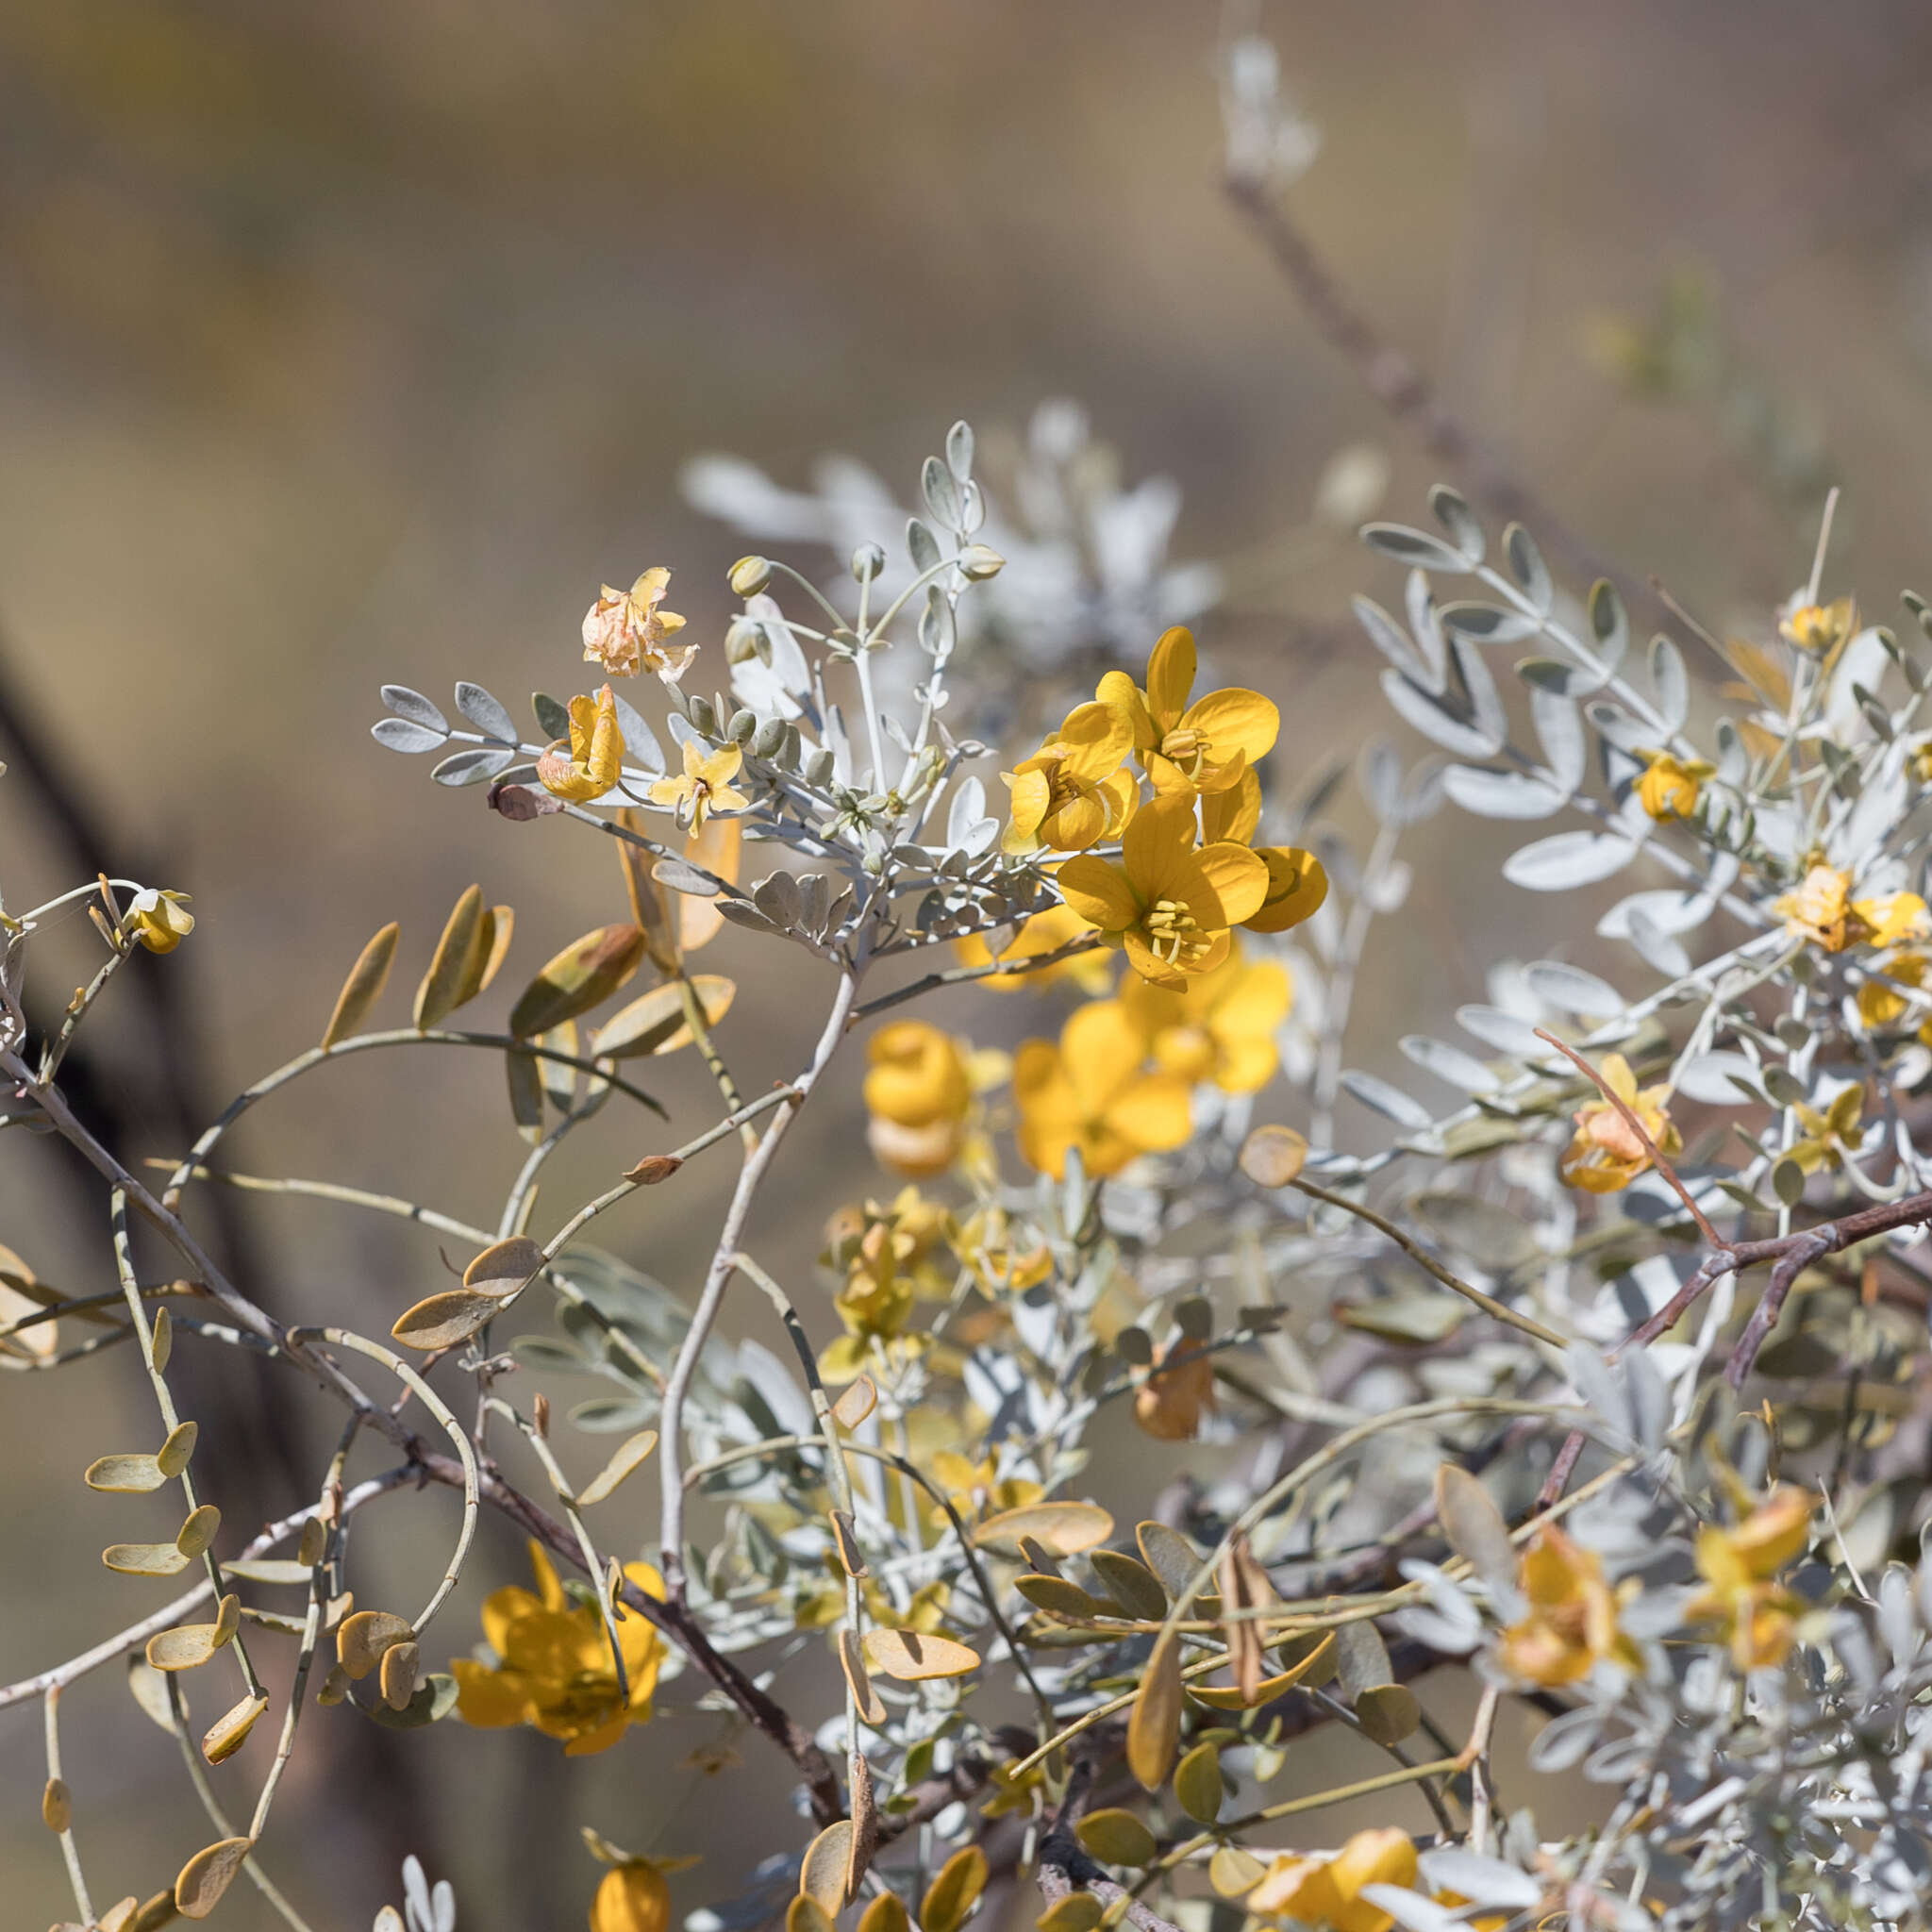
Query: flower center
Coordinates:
[1173,932]
[1187,748]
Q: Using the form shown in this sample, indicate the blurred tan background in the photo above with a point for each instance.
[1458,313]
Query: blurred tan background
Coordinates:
[351,343]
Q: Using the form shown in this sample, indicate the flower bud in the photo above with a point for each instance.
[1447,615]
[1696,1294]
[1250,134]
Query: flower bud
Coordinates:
[979,562]
[750,575]
[868,560]
[818,767]
[745,641]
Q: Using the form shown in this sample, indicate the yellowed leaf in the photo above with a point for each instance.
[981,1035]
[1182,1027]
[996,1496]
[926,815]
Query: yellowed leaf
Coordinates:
[822,1872]
[865,1699]
[201,1882]
[504,1267]
[806,1914]
[630,1455]
[442,1320]
[364,1637]
[198,1532]
[124,1475]
[1234,1869]
[57,1805]
[494,934]
[174,1454]
[451,963]
[717,850]
[954,1891]
[1197,1784]
[910,1656]
[585,974]
[524,1073]
[654,1023]
[865,1822]
[363,987]
[1117,1838]
[855,1403]
[144,1559]
[1062,1597]
[886,1913]
[396,1674]
[229,1732]
[1064,1529]
[845,1540]
[1230,1697]
[1271,1157]
[161,1347]
[1154,1726]
[1078,1911]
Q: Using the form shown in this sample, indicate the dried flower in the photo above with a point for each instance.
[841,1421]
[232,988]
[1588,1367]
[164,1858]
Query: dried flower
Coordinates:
[1606,1154]
[626,632]
[588,766]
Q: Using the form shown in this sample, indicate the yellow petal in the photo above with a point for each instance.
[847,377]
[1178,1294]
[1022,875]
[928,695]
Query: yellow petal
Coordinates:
[1099,893]
[1171,676]
[1235,721]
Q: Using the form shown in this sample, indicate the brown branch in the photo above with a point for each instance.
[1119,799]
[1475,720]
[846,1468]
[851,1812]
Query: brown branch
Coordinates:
[1396,382]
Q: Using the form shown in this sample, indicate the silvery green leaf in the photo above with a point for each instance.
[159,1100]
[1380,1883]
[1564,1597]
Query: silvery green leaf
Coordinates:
[1648,1395]
[959,450]
[553,718]
[1527,567]
[1667,909]
[1619,727]
[1558,677]
[1464,527]
[1482,1881]
[1413,546]
[1379,771]
[680,878]
[684,732]
[1655,947]
[1485,706]
[1388,1100]
[1571,990]
[742,913]
[940,490]
[473,766]
[1671,680]
[1393,642]
[1733,759]
[1449,1065]
[920,545]
[1608,624]
[972,507]
[1433,719]
[413,706]
[937,627]
[605,1414]
[1861,666]
[1487,623]
[1425,626]
[1361,1660]
[485,713]
[778,898]
[1506,1032]
[639,741]
[1569,858]
[968,828]
[1388,889]
[1560,725]
[1423,795]
[1880,806]
[895,731]
[1493,1237]
[1564,1740]
[404,734]
[1596,1382]
[1712,1076]
[1502,794]
[1411,1909]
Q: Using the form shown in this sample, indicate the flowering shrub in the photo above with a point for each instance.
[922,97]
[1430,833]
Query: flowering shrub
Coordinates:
[1581,1366]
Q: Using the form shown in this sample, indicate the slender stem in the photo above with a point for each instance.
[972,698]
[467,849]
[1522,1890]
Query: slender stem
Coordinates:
[70,1851]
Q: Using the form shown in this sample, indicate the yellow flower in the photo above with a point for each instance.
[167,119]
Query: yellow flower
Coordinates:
[1089,1093]
[595,750]
[1178,1389]
[1830,1136]
[1738,1566]
[984,1244]
[1221,1028]
[1296,886]
[1604,1155]
[626,632]
[1018,1796]
[1045,932]
[553,1667]
[1073,790]
[157,918]
[1818,628]
[1822,911]
[1572,1622]
[974,1489]
[887,1258]
[919,1094]
[633,1897]
[1668,788]
[1879,1000]
[1204,746]
[704,786]
[1328,1891]
[1168,902]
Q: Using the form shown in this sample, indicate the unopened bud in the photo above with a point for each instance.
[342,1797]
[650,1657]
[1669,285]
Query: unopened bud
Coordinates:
[750,575]
[651,1169]
[980,561]
[868,560]
[746,640]
[539,1413]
